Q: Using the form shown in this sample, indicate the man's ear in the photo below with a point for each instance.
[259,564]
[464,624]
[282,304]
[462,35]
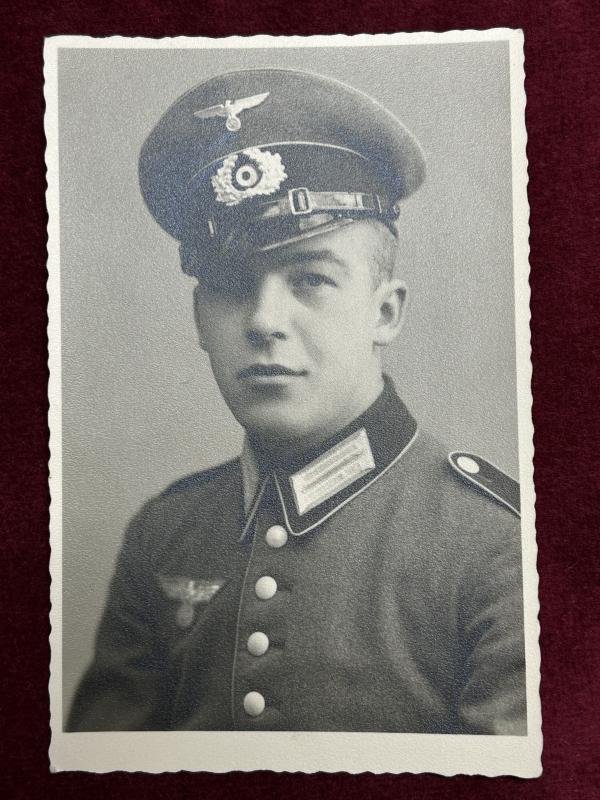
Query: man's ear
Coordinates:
[391,298]
[199,315]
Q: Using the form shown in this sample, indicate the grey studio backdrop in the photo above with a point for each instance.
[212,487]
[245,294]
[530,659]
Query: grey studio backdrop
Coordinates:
[139,405]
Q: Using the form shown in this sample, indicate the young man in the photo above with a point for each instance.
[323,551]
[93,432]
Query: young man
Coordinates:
[344,573]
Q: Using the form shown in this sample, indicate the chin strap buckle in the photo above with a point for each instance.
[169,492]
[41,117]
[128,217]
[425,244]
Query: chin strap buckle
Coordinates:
[300,201]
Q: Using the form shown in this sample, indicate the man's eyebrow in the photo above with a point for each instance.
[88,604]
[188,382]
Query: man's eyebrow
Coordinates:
[310,256]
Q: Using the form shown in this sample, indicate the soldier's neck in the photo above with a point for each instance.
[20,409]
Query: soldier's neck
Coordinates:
[276,448]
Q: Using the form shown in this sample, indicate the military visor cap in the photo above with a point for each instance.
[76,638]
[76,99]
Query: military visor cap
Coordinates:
[260,158]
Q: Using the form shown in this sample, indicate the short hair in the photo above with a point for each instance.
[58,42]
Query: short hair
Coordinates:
[383,265]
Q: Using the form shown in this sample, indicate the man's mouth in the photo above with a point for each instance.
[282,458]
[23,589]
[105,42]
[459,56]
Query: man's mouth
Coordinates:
[270,371]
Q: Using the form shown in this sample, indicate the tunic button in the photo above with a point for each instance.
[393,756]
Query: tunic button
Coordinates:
[276,536]
[265,587]
[254,704]
[258,643]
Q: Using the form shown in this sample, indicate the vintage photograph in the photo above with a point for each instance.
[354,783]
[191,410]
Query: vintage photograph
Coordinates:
[292,515]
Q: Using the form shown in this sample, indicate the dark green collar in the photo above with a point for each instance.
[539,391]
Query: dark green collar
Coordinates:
[314,485]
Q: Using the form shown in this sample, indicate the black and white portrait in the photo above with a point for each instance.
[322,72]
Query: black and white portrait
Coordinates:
[290,409]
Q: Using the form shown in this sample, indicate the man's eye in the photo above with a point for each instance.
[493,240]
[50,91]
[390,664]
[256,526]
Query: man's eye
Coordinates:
[313,280]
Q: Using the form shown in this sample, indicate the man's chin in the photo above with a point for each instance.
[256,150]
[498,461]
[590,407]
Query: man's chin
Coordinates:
[276,425]
[280,430]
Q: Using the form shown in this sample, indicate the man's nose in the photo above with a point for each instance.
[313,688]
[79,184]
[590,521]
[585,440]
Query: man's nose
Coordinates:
[268,312]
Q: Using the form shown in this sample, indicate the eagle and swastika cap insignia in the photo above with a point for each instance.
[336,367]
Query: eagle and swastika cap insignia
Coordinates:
[231,109]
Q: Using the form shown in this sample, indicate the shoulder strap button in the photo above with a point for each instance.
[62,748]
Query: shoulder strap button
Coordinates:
[467,464]
[487,478]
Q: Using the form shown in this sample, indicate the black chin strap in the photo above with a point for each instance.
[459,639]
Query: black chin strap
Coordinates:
[302,201]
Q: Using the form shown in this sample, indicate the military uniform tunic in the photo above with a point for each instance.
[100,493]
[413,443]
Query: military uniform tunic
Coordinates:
[395,604]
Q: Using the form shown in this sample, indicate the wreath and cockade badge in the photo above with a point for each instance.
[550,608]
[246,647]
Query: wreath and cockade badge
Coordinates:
[248,174]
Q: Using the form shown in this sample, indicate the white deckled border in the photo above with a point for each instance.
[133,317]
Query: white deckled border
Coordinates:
[524,396]
[55,382]
[264,40]
[301,751]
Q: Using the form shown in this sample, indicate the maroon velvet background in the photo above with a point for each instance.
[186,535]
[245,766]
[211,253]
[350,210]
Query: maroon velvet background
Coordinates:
[563,114]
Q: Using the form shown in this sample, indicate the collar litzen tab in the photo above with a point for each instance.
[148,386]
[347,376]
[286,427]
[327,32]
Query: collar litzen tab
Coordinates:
[335,470]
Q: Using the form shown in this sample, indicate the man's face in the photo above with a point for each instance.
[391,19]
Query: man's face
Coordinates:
[292,334]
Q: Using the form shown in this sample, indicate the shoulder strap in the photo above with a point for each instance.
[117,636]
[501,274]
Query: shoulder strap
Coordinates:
[486,477]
